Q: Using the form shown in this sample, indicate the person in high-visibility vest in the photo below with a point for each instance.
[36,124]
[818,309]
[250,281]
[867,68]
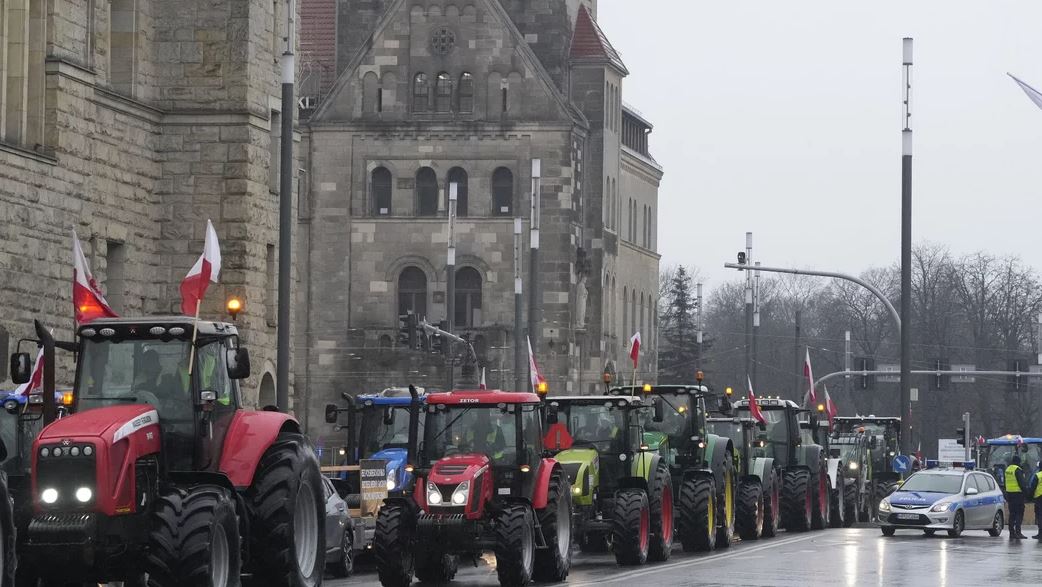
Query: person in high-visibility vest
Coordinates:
[1016,483]
[1035,490]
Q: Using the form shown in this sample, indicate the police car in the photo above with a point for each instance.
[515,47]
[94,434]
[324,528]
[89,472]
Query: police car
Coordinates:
[951,498]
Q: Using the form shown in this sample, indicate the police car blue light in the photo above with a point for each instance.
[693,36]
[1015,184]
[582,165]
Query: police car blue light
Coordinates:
[949,498]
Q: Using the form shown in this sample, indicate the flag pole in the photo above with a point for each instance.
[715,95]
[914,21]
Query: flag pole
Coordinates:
[195,332]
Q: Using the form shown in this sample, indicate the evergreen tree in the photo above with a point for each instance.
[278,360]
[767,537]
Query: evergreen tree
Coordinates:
[678,342]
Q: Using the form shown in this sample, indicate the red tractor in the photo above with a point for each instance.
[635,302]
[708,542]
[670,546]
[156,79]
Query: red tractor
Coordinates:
[482,483]
[159,475]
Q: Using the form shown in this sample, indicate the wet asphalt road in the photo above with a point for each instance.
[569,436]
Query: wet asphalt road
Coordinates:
[853,556]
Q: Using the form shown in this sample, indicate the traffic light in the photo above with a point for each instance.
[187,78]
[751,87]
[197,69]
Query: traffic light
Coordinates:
[940,382]
[1013,382]
[866,364]
[438,342]
[960,436]
[403,330]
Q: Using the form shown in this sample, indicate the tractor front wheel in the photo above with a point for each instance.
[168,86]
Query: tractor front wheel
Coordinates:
[698,514]
[851,511]
[515,545]
[749,518]
[821,492]
[661,502]
[288,523]
[194,539]
[393,545]
[772,509]
[631,527]
[726,510]
[837,505]
[797,500]
[553,562]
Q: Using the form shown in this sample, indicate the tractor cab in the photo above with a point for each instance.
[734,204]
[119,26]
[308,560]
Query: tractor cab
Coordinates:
[884,438]
[997,453]
[781,435]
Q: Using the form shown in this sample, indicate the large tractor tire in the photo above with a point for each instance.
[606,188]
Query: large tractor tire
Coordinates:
[851,510]
[797,500]
[287,502]
[661,502]
[393,545]
[7,536]
[553,562]
[697,506]
[436,567]
[631,527]
[515,545]
[725,504]
[837,505]
[749,515]
[772,508]
[821,491]
[194,540]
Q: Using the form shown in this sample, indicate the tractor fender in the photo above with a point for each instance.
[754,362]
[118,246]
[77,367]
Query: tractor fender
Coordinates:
[718,450]
[835,473]
[811,458]
[542,482]
[644,464]
[249,436]
[763,469]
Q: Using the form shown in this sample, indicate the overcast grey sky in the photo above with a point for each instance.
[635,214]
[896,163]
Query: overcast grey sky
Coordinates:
[783,118]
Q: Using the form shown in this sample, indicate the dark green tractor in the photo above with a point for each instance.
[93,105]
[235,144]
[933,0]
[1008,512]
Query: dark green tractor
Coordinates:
[758,506]
[855,453]
[884,439]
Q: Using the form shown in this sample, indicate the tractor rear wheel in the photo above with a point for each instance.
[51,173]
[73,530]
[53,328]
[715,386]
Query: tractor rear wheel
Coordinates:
[661,502]
[749,518]
[698,514]
[553,562]
[194,539]
[837,505]
[436,567]
[796,500]
[851,511]
[515,545]
[772,509]
[7,536]
[725,501]
[820,490]
[288,522]
[631,527]
[393,545]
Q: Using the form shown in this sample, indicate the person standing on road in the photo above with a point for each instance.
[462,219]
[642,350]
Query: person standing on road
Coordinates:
[1035,491]
[1016,482]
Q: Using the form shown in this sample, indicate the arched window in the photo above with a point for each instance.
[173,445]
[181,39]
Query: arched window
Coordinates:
[466,93]
[468,298]
[443,93]
[421,92]
[458,176]
[625,308]
[370,93]
[381,186]
[502,191]
[412,292]
[426,192]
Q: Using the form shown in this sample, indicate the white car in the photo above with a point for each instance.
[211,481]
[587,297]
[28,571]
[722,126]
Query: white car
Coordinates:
[951,499]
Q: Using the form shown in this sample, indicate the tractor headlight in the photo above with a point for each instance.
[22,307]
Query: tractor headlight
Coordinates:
[433,494]
[884,506]
[576,490]
[84,494]
[941,507]
[853,466]
[459,496]
[49,495]
[390,480]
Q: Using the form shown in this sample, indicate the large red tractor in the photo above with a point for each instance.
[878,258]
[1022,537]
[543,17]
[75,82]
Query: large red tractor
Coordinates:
[160,476]
[482,483]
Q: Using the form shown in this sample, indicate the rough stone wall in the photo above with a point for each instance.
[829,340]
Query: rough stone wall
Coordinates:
[547,28]
[355,22]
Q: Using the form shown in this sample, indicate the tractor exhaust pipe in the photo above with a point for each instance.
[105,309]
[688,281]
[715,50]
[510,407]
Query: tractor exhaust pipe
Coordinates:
[414,430]
[50,411]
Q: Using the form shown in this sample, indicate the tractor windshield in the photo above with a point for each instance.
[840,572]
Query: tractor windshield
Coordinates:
[1000,455]
[486,429]
[134,371]
[775,438]
[385,427]
[675,424]
[600,425]
[727,429]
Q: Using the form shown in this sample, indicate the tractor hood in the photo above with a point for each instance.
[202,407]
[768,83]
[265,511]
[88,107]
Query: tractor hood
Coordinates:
[459,468]
[395,459]
[581,465]
[111,423]
[655,440]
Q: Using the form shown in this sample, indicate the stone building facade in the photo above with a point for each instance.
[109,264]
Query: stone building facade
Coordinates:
[133,122]
[434,92]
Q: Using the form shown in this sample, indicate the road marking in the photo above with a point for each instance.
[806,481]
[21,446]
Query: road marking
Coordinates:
[693,562]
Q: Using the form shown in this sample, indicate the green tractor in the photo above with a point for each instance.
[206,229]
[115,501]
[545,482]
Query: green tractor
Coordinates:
[758,506]
[854,450]
[806,489]
[702,465]
[884,438]
[622,492]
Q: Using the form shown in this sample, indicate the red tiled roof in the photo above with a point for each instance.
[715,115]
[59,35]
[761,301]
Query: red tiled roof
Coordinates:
[589,42]
[318,37]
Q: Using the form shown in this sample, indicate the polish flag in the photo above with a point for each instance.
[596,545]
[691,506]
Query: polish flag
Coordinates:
[205,270]
[830,406]
[1032,93]
[87,300]
[35,379]
[812,398]
[754,408]
[635,348]
[533,369]
[482,384]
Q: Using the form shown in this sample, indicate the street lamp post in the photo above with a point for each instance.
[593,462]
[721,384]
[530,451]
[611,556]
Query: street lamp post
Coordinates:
[906,251]
[533,281]
[450,287]
[519,362]
[282,340]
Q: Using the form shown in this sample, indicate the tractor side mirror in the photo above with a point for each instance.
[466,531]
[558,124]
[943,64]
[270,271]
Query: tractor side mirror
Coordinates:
[660,410]
[725,406]
[21,368]
[332,413]
[238,363]
[551,415]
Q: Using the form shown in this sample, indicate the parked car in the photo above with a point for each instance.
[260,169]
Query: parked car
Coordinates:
[340,533]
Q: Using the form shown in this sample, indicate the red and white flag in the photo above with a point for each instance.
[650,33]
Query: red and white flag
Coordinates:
[811,397]
[635,348]
[754,408]
[533,370]
[87,299]
[482,384]
[35,379]
[1032,93]
[830,406]
[205,270]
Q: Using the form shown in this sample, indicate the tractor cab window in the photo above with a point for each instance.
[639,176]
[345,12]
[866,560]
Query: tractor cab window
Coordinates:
[133,371]
[675,424]
[377,435]
[775,439]
[1000,456]
[597,425]
[488,430]
[213,373]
